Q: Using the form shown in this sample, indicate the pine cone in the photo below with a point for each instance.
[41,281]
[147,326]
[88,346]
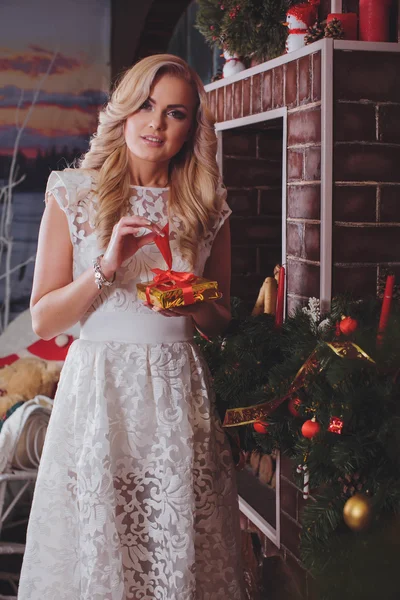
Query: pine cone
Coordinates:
[334,30]
[314,33]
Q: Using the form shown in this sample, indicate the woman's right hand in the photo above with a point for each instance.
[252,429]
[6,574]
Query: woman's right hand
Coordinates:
[125,242]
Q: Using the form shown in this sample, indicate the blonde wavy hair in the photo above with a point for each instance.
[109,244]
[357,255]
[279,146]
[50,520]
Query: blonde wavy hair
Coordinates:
[193,172]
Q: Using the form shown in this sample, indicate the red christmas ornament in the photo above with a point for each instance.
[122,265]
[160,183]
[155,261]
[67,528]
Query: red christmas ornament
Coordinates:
[260,427]
[294,405]
[335,425]
[310,428]
[348,325]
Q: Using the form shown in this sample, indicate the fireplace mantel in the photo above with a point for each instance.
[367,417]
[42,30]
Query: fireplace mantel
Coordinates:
[345,45]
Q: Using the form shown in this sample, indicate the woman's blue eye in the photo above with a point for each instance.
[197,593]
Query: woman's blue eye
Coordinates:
[146,104]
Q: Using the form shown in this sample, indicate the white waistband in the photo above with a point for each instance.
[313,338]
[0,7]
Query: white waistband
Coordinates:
[102,326]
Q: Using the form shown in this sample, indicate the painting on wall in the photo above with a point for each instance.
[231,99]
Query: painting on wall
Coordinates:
[54,78]
[64,46]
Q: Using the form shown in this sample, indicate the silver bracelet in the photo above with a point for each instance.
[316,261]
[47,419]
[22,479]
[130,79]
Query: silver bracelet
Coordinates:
[98,273]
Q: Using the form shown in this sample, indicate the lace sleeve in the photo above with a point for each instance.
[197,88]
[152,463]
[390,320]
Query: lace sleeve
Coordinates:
[57,187]
[70,188]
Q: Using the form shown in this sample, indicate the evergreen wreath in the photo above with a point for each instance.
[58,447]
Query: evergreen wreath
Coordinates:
[250,28]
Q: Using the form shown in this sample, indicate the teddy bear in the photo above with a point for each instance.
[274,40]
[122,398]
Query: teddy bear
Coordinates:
[26,378]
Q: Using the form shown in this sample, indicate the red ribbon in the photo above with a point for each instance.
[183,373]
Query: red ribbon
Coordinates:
[168,279]
[162,244]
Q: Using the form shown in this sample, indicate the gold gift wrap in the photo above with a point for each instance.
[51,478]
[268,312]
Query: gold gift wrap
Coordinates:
[172,295]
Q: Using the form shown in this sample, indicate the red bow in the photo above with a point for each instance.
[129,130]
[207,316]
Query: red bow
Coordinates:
[172,277]
[169,278]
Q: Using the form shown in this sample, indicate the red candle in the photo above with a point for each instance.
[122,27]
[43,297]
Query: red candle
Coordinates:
[374,20]
[280,301]
[387,300]
[349,24]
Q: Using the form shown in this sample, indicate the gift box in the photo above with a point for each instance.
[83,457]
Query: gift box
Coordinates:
[173,293]
[171,289]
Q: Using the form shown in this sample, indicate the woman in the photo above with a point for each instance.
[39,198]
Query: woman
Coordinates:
[135,496]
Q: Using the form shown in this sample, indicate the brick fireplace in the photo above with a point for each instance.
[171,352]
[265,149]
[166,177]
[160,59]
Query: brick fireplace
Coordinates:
[310,153]
[340,101]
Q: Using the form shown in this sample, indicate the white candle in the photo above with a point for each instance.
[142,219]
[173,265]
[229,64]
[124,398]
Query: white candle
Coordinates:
[336,6]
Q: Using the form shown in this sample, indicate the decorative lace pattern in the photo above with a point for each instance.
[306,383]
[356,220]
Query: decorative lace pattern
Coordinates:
[73,190]
[136,494]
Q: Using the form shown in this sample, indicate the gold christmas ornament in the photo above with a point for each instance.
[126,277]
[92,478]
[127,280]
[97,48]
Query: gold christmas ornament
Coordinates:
[357,512]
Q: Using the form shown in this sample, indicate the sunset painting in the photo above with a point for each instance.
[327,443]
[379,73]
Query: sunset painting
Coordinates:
[71,41]
[61,52]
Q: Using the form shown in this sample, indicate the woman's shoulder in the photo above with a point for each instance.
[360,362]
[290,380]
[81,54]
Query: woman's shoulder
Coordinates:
[73,184]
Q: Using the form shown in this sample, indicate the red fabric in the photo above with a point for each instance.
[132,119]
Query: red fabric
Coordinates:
[8,360]
[48,349]
[305,12]
[45,349]
[237,59]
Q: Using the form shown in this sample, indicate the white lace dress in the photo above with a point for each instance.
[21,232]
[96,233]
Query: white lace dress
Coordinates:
[135,496]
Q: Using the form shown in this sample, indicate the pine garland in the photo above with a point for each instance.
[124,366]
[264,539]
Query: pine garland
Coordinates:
[209,21]
[254,363]
[250,28]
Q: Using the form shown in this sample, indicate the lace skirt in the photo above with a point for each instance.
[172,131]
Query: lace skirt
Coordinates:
[136,495]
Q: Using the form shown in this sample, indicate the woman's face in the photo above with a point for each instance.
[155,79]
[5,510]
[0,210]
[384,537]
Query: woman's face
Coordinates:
[158,130]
